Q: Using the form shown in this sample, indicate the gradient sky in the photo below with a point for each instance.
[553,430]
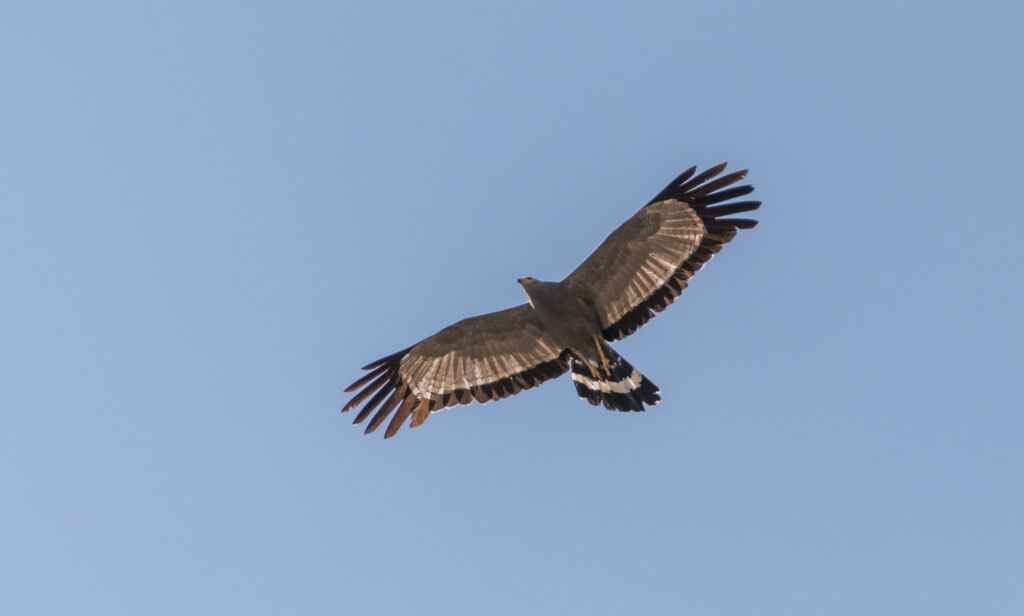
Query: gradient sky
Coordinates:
[212,214]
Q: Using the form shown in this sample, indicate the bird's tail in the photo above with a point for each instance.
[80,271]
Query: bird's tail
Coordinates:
[620,388]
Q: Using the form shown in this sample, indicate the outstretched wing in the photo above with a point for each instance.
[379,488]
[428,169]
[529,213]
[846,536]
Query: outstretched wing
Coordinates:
[483,358]
[645,263]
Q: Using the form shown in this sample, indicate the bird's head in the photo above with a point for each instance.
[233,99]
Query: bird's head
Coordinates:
[525,281]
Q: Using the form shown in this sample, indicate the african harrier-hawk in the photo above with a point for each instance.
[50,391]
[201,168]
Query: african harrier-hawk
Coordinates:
[638,270]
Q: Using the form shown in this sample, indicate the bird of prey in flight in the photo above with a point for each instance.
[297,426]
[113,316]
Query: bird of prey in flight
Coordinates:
[638,270]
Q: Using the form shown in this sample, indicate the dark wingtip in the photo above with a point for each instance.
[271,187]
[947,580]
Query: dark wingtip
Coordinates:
[673,186]
[703,186]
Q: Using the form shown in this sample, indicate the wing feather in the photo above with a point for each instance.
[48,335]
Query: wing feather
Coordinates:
[481,358]
[644,264]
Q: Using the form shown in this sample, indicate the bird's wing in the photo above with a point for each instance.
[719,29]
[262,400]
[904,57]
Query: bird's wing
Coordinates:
[645,263]
[480,358]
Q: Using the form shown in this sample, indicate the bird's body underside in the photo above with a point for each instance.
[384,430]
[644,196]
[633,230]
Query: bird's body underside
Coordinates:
[600,374]
[638,270]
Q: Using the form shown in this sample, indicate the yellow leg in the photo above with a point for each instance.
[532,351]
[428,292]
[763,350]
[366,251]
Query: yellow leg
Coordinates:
[604,360]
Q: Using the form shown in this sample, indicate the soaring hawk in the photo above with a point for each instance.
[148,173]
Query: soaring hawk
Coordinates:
[637,271]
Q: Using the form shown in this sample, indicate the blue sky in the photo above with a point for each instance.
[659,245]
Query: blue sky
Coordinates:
[212,215]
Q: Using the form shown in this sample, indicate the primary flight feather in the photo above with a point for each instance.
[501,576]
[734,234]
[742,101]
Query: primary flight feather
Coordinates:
[638,270]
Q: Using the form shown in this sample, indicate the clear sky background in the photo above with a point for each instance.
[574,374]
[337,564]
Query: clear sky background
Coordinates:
[212,214]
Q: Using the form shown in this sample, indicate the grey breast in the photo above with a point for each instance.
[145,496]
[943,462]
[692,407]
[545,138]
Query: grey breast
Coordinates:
[567,317]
